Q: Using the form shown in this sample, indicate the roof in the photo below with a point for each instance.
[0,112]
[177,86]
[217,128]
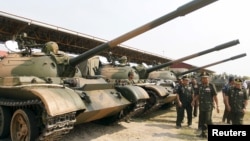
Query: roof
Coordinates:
[71,41]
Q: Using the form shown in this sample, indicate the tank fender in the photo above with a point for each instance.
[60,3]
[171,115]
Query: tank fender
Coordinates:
[58,100]
[160,90]
[132,93]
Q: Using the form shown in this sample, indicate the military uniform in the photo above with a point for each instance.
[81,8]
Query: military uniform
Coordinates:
[195,87]
[206,93]
[130,80]
[185,96]
[237,98]
[178,84]
[226,115]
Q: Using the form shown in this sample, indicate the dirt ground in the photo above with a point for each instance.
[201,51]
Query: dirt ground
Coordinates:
[159,126]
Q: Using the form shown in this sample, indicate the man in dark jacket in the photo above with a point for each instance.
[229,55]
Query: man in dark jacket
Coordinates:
[236,102]
[184,99]
[230,83]
[207,96]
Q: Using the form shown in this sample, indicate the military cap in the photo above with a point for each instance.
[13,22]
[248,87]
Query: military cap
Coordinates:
[185,77]
[50,47]
[123,58]
[204,74]
[238,81]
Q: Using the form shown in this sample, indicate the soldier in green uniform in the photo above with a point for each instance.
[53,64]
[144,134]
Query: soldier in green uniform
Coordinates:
[178,84]
[131,78]
[184,99]
[236,99]
[194,84]
[206,96]
[226,116]
[130,81]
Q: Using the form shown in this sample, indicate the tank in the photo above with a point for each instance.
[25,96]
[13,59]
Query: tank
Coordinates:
[159,94]
[39,96]
[43,95]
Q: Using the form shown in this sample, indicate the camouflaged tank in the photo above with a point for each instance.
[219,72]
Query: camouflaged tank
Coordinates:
[146,78]
[43,95]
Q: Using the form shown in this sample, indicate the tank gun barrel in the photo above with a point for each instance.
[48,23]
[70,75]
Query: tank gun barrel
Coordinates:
[181,11]
[213,64]
[217,48]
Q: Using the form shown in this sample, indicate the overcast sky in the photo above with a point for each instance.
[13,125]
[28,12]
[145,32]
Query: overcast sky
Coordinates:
[215,24]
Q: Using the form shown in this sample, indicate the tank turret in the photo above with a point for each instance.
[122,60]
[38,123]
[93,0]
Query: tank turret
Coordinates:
[212,64]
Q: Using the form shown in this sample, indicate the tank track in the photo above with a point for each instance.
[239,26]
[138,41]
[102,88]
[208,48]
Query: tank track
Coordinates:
[55,128]
[153,108]
[136,109]
[124,114]
[158,103]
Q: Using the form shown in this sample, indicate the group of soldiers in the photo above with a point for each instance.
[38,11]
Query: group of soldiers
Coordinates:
[203,96]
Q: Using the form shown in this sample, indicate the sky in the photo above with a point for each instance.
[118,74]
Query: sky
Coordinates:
[205,28]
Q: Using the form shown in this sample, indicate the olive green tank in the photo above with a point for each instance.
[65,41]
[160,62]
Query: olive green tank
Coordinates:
[43,94]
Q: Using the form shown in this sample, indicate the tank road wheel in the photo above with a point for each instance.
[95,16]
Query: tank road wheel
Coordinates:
[151,103]
[5,116]
[23,126]
[152,99]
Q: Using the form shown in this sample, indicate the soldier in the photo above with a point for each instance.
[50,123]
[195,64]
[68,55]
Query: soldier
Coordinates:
[207,96]
[236,101]
[50,47]
[123,61]
[131,77]
[224,90]
[184,98]
[130,82]
[178,84]
[194,84]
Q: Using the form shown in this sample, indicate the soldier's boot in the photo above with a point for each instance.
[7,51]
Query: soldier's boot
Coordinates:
[203,134]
